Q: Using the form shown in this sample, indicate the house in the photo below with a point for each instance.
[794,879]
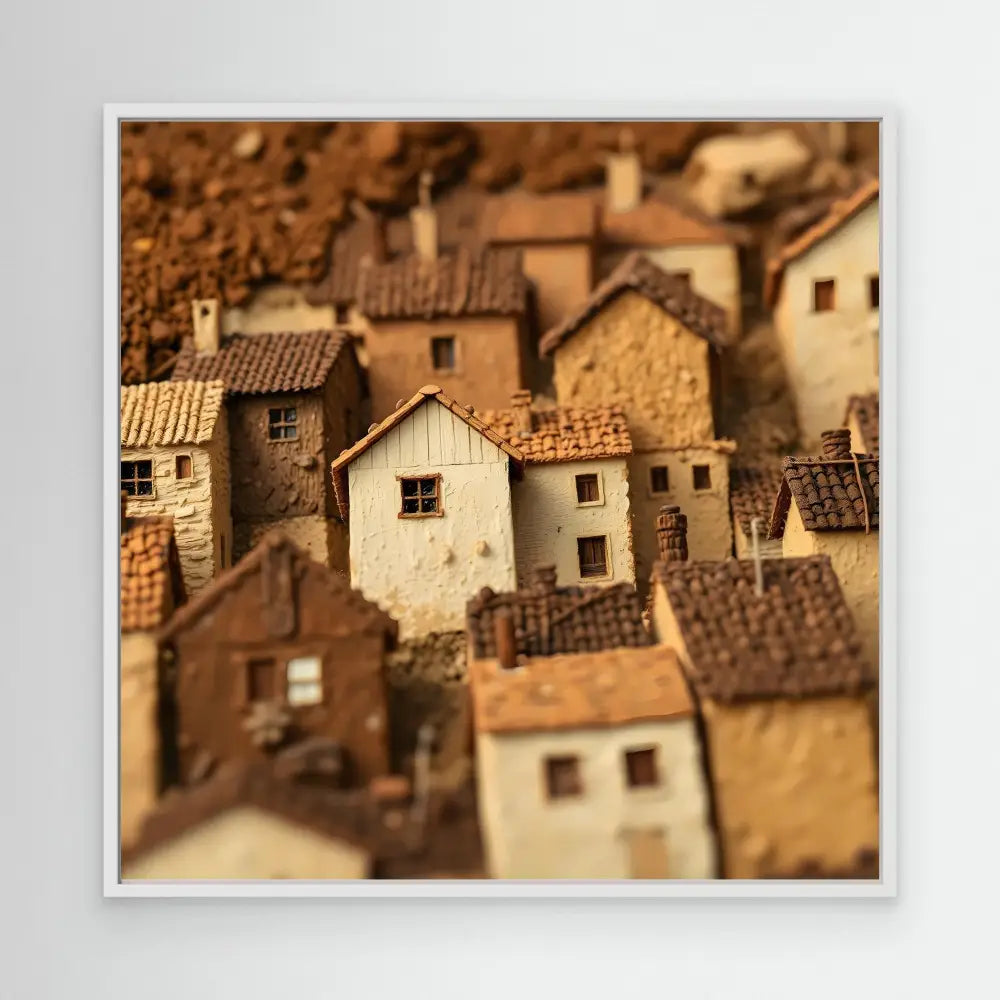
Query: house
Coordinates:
[861,419]
[175,463]
[675,237]
[151,588]
[752,490]
[646,342]
[587,753]
[427,494]
[295,401]
[829,505]
[824,290]
[785,697]
[279,649]
[571,510]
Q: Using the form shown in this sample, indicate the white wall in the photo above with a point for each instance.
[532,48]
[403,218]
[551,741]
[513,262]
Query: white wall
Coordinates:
[423,570]
[528,836]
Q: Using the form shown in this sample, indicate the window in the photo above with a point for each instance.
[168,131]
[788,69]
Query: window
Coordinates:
[702,476]
[421,496]
[824,295]
[443,353]
[282,423]
[587,489]
[137,478]
[183,466]
[260,680]
[562,777]
[640,768]
[343,314]
[593,556]
[873,291]
[305,680]
[659,479]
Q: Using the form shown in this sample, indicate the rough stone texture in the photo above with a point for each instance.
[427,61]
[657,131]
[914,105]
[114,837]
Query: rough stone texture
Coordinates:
[324,538]
[140,744]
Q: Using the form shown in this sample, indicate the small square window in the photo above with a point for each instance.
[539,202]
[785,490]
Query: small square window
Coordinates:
[659,479]
[824,295]
[137,478]
[420,496]
[593,555]
[562,777]
[640,768]
[304,678]
[183,467]
[873,291]
[702,476]
[260,680]
[282,423]
[443,354]
[587,490]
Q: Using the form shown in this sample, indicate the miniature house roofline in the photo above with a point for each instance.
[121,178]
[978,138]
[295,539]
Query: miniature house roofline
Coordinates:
[167,413]
[840,212]
[340,464]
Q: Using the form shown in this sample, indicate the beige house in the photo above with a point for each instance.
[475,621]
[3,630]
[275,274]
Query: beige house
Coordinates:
[824,290]
[785,695]
[829,505]
[752,491]
[571,510]
[587,751]
[861,419]
[646,342]
[175,462]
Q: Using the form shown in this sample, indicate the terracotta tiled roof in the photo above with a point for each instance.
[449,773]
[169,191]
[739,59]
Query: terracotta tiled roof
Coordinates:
[550,620]
[489,283]
[839,213]
[159,413]
[752,492]
[151,584]
[657,222]
[637,273]
[582,690]
[522,217]
[266,362]
[797,639]
[340,464]
[865,410]
[565,434]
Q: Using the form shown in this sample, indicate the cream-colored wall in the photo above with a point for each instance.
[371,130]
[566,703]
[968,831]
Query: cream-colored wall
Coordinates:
[744,543]
[715,271]
[278,309]
[248,843]
[323,538]
[528,836]
[423,570]
[831,354]
[139,758]
[634,354]
[548,520]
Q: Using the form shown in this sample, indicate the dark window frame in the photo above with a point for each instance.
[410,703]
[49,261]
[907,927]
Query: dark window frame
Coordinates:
[642,767]
[562,777]
[271,662]
[653,470]
[873,291]
[421,496]
[591,568]
[450,344]
[136,480]
[587,480]
[706,483]
[822,301]
[278,419]
[178,460]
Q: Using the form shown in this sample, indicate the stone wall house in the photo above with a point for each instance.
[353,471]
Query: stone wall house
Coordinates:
[829,505]
[752,491]
[295,401]
[277,650]
[175,462]
[571,510]
[646,342]
[427,494]
[824,290]
[152,587]
[587,752]
[785,696]
[861,419]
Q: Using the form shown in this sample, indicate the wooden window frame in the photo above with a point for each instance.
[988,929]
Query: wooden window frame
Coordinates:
[451,339]
[824,283]
[599,486]
[135,479]
[630,755]
[283,422]
[579,557]
[247,662]
[653,491]
[287,686]
[438,495]
[694,477]
[874,292]
[177,467]
[550,765]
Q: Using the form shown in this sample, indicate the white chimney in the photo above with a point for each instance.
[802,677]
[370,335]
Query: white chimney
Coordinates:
[624,175]
[205,318]
[423,220]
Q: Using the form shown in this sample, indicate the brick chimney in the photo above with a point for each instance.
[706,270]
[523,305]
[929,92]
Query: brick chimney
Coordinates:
[520,403]
[623,175]
[506,639]
[205,319]
[836,444]
[424,222]
[671,534]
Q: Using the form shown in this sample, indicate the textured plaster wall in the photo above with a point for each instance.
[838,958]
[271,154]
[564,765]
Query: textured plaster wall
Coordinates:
[563,275]
[830,355]
[744,544]
[140,749]
[278,309]
[247,842]
[325,539]
[548,520]
[423,570]
[528,836]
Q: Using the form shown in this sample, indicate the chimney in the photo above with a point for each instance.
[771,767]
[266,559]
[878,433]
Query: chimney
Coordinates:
[520,403]
[836,444]
[623,177]
[374,229]
[506,640]
[671,534]
[205,319]
[423,220]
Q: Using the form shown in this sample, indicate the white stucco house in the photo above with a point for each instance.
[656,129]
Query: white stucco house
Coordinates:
[571,509]
[427,497]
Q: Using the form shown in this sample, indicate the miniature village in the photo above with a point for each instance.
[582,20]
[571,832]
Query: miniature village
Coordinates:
[479,521]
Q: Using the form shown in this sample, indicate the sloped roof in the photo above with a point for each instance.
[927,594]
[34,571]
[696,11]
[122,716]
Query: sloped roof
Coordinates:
[752,492]
[865,410]
[566,434]
[555,217]
[151,585]
[164,413]
[659,222]
[639,274]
